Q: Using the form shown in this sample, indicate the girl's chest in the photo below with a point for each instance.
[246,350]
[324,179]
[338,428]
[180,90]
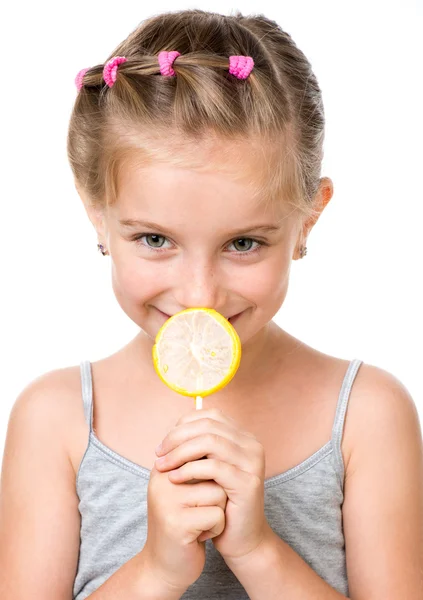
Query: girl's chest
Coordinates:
[291,422]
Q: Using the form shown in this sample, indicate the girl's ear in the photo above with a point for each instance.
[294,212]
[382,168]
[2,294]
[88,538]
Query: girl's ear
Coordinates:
[321,199]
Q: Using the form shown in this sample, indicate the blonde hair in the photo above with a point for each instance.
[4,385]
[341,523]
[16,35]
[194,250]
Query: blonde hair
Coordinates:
[145,117]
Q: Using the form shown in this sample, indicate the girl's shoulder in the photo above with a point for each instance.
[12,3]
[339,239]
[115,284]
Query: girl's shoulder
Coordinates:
[379,403]
[51,405]
[377,399]
[50,397]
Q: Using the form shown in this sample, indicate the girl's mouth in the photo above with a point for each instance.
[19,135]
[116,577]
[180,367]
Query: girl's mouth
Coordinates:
[234,317]
[230,319]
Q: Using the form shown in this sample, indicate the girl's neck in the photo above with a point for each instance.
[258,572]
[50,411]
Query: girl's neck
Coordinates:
[269,348]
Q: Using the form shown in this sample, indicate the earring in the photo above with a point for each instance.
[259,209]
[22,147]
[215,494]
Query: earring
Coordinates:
[101,248]
[303,251]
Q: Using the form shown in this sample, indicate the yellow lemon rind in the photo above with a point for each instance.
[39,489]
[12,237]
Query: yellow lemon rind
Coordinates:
[236,355]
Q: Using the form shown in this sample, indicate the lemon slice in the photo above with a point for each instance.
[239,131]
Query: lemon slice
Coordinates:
[196,352]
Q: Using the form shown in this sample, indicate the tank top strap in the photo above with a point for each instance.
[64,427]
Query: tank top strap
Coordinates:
[87,391]
[341,409]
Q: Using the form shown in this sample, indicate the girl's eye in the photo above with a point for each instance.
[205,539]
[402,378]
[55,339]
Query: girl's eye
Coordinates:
[153,237]
[243,245]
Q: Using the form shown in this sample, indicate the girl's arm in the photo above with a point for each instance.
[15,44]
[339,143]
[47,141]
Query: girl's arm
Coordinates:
[382,510]
[383,504]
[39,517]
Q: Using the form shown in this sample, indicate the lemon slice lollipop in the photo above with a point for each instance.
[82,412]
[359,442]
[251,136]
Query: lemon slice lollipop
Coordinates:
[197,352]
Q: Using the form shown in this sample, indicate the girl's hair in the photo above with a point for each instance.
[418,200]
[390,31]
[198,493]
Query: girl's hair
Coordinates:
[276,113]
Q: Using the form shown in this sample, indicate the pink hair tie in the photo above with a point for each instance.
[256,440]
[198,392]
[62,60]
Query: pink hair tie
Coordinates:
[166,60]
[80,77]
[110,69]
[240,66]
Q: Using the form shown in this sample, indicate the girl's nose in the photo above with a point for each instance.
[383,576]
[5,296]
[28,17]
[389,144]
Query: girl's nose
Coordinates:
[199,286]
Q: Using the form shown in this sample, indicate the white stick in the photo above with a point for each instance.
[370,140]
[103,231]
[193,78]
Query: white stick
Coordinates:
[199,399]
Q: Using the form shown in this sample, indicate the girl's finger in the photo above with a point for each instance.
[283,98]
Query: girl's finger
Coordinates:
[234,481]
[210,445]
[205,493]
[213,413]
[195,428]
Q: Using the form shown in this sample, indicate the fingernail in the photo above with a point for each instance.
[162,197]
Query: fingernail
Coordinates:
[159,449]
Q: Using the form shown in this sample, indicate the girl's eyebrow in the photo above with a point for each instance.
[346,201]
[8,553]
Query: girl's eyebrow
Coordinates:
[137,223]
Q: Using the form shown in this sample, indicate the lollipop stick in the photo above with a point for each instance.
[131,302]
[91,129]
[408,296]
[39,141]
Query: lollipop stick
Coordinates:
[199,399]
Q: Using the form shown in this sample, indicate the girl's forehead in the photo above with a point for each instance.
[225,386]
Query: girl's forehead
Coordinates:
[245,164]
[172,170]
[180,199]
[247,156]
[166,187]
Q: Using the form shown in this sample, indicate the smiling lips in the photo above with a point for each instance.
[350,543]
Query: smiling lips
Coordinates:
[230,319]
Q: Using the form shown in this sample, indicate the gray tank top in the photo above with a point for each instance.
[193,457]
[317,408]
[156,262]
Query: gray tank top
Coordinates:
[303,506]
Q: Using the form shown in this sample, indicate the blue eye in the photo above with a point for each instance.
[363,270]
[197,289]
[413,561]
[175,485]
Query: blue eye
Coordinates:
[156,246]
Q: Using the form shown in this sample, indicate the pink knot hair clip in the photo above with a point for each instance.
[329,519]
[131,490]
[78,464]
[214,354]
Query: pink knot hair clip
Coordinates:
[80,77]
[110,69]
[109,72]
[239,66]
[166,60]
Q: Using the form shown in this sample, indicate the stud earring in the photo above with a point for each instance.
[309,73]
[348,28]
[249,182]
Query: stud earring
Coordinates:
[303,251]
[102,250]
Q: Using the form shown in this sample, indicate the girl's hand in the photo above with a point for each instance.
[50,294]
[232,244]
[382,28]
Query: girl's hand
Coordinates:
[235,460]
[177,517]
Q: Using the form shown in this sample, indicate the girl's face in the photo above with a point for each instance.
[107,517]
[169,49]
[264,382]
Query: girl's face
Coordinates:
[179,238]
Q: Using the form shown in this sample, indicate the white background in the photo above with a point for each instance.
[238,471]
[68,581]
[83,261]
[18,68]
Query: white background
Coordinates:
[357,293]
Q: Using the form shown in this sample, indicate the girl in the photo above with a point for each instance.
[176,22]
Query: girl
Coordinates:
[196,149]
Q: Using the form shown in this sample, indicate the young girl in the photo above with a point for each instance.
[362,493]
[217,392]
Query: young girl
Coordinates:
[196,148]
